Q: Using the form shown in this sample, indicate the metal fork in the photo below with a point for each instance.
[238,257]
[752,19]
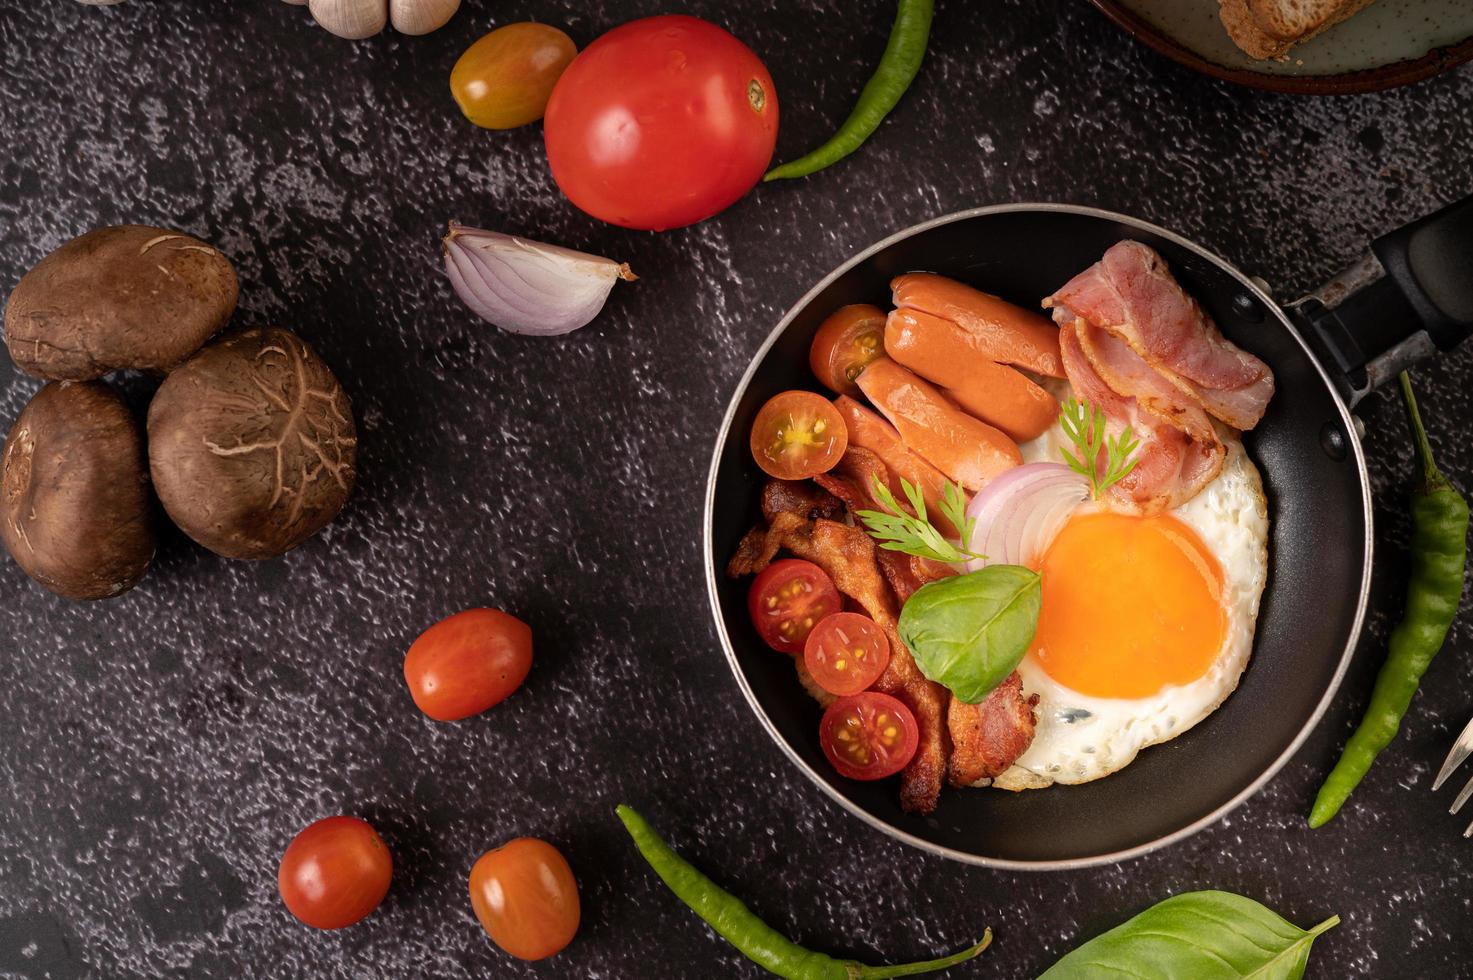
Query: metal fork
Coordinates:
[1462,748]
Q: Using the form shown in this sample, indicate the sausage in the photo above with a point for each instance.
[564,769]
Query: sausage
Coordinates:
[868,431]
[945,354]
[1002,331]
[967,450]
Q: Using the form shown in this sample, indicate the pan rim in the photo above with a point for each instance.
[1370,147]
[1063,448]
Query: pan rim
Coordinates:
[1014,864]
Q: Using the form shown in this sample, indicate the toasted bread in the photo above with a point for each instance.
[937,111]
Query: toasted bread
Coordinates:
[1269,28]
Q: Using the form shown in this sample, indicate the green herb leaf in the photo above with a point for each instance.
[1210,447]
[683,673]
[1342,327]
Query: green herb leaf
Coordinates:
[1084,425]
[1204,935]
[968,632]
[899,531]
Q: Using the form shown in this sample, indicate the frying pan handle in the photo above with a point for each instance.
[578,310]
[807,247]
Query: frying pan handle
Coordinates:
[1406,298]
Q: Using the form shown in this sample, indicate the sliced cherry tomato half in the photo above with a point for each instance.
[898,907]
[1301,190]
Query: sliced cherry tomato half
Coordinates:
[844,346]
[846,653]
[788,599]
[798,435]
[868,736]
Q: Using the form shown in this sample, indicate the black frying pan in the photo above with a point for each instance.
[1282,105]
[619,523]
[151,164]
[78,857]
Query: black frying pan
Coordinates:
[1411,294]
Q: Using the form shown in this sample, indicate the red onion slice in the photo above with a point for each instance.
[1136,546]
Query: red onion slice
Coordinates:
[527,287]
[1019,513]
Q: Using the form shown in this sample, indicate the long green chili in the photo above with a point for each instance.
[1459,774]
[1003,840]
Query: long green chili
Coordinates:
[1434,588]
[752,937]
[897,69]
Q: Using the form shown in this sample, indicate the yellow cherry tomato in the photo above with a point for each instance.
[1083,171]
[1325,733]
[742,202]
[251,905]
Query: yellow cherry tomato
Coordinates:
[505,79]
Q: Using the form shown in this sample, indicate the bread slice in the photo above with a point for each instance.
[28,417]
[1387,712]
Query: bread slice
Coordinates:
[1269,28]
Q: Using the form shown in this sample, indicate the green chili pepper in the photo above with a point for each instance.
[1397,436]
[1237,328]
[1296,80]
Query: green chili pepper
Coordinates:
[1434,587]
[897,69]
[752,937]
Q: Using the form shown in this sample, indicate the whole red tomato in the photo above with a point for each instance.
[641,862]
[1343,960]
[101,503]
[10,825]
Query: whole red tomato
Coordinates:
[334,873]
[526,897]
[464,664]
[660,123]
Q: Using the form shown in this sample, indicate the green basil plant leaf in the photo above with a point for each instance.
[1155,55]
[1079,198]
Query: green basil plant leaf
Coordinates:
[1207,935]
[968,632]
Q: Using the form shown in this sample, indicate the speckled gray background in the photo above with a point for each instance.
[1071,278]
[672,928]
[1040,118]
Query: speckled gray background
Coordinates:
[157,752]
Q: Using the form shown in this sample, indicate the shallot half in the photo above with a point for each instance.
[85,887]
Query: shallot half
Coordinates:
[1019,513]
[528,287]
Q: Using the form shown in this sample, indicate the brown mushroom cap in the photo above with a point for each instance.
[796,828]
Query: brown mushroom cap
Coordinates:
[252,444]
[125,296]
[74,492]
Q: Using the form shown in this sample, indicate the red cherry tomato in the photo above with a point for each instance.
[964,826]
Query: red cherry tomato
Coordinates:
[846,653]
[660,123]
[787,599]
[526,897]
[464,664]
[868,736]
[844,346]
[334,873]
[798,435]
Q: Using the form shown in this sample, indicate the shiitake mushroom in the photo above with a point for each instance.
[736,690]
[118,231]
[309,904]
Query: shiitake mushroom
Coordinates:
[124,296]
[252,444]
[77,515]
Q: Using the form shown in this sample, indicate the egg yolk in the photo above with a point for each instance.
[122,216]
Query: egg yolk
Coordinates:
[1130,605]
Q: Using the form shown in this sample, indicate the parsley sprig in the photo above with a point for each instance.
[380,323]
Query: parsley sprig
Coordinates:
[899,531]
[1084,424]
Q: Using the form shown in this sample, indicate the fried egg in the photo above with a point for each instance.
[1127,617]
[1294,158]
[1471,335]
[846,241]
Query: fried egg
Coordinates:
[1146,626]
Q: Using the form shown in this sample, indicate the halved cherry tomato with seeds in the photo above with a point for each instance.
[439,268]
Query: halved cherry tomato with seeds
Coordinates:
[798,435]
[845,344]
[868,736]
[846,653]
[788,599]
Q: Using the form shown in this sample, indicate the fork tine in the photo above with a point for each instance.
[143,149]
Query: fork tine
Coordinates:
[1462,798]
[1461,749]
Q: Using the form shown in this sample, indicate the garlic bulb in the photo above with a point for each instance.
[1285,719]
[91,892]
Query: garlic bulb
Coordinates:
[356,19]
[352,19]
[421,16]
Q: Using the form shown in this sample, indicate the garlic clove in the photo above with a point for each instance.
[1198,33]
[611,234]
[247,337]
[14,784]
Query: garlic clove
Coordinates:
[421,16]
[352,19]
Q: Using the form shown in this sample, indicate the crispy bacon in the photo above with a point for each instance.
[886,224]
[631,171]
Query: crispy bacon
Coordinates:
[907,573]
[852,480]
[1173,465]
[988,737]
[1131,293]
[799,497]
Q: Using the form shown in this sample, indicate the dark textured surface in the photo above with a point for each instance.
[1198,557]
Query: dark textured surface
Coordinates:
[158,752]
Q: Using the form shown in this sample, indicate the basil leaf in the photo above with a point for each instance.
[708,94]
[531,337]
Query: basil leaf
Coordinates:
[1202,935]
[968,632]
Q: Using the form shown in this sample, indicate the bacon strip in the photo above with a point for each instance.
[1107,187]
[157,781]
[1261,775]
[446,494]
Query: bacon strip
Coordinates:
[1173,465]
[852,480]
[988,737]
[1131,293]
[1129,376]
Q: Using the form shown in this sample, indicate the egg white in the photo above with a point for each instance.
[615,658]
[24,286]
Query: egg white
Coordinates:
[1080,737]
